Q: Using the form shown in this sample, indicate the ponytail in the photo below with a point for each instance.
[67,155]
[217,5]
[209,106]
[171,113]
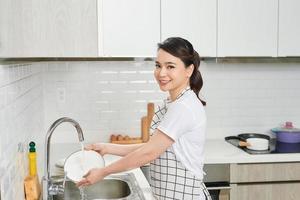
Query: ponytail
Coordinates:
[196,81]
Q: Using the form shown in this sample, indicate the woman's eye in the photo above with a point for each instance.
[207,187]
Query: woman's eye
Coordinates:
[157,66]
[170,67]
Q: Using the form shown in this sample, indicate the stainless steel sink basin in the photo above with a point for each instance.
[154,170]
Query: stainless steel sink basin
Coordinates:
[113,187]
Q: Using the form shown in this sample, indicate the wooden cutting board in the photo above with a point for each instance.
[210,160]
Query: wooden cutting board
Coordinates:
[145,126]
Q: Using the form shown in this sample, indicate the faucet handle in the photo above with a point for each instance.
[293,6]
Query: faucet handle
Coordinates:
[56,189]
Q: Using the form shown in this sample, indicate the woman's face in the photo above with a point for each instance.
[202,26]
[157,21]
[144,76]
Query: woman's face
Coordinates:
[171,73]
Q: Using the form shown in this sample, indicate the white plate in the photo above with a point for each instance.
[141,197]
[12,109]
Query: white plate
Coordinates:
[60,163]
[57,171]
[80,162]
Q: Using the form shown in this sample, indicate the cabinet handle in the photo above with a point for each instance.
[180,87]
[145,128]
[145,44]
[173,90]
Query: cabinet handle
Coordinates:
[219,188]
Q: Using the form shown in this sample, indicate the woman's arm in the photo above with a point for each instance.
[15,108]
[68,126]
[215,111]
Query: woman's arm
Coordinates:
[157,144]
[114,149]
[122,149]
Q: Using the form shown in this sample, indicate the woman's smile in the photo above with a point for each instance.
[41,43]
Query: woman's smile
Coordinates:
[163,82]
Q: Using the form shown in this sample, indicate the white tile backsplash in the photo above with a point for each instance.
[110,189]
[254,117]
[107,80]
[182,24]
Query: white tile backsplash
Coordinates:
[251,97]
[21,120]
[101,93]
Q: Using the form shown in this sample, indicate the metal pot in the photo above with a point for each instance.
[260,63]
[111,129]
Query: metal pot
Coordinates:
[283,147]
[287,133]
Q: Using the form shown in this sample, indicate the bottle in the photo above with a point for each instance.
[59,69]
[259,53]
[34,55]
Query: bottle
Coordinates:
[32,159]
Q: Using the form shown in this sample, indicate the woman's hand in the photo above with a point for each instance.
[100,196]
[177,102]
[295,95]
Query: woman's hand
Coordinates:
[93,176]
[101,148]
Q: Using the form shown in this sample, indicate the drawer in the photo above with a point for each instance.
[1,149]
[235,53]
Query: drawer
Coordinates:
[271,191]
[264,172]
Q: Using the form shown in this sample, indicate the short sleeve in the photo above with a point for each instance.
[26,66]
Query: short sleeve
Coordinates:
[177,121]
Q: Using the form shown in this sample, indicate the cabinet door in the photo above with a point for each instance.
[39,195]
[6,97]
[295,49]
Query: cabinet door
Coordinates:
[20,28]
[71,28]
[194,20]
[41,28]
[130,28]
[274,191]
[289,28]
[247,28]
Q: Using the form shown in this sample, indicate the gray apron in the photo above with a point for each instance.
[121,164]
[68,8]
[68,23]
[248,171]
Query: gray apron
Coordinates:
[169,179]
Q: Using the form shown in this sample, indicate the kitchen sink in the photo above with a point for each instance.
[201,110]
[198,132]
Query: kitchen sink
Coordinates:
[122,186]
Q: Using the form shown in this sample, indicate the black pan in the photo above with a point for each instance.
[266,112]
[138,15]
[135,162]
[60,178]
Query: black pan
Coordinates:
[235,140]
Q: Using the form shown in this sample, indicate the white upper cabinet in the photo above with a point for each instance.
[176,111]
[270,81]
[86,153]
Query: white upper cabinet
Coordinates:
[71,28]
[42,28]
[247,28]
[21,31]
[128,28]
[194,20]
[289,28]
[132,28]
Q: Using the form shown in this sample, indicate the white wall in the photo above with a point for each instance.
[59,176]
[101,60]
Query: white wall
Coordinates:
[107,97]
[21,120]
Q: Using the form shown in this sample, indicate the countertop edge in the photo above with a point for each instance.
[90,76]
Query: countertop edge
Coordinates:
[218,151]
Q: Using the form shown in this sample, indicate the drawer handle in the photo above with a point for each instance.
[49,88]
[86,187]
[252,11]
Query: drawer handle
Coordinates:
[219,188]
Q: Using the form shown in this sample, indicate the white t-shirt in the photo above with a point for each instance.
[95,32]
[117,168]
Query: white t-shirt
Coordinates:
[185,123]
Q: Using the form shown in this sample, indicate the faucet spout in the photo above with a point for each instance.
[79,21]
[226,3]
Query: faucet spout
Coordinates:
[47,150]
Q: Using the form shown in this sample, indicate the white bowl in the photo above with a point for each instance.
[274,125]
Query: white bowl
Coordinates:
[80,162]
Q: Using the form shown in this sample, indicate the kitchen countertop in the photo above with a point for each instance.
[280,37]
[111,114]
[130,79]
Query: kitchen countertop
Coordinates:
[218,151]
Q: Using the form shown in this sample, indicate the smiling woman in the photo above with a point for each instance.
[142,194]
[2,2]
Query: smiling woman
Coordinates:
[175,149]
[178,172]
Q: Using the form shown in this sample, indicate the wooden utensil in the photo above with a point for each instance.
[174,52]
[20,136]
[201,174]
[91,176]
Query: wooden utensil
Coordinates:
[32,187]
[244,144]
[146,122]
[145,128]
[150,112]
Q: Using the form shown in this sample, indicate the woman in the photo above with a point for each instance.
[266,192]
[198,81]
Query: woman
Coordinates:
[175,149]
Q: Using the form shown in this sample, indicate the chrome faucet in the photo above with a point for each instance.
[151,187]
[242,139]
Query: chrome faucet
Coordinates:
[50,189]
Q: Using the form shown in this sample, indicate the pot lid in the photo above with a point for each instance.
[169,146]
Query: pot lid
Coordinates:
[288,127]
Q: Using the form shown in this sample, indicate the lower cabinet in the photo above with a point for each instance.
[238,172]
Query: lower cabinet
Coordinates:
[265,181]
[253,181]
[265,191]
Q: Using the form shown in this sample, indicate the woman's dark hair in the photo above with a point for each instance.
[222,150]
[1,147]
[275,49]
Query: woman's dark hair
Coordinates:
[183,49]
